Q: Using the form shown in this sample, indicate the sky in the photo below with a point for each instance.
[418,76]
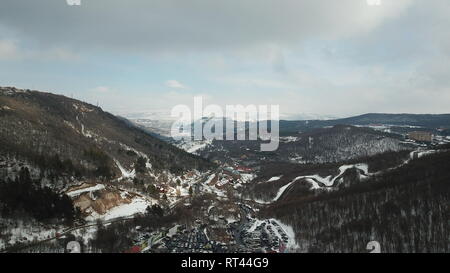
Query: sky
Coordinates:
[311,57]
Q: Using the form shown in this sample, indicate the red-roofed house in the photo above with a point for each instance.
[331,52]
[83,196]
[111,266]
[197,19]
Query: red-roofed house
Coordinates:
[134,249]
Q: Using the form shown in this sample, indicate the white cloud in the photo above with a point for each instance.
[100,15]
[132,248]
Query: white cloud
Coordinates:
[175,84]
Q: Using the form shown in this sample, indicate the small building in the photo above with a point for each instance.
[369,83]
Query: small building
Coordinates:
[420,136]
[214,180]
[231,172]
[244,169]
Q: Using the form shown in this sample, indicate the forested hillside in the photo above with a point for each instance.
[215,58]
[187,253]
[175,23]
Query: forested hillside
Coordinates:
[261,189]
[425,121]
[65,136]
[24,197]
[320,145]
[51,145]
[405,209]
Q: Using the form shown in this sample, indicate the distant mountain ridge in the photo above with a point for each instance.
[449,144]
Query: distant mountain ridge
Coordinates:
[400,119]
[428,121]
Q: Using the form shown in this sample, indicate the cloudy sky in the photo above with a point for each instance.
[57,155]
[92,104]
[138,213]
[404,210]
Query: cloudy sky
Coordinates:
[323,57]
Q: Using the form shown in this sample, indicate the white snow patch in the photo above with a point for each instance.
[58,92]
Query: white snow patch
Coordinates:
[137,205]
[315,180]
[289,139]
[247,177]
[255,224]
[125,174]
[173,231]
[425,153]
[329,181]
[289,231]
[275,178]
[281,191]
[90,189]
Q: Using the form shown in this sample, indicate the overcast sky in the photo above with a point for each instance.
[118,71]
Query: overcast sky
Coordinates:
[324,57]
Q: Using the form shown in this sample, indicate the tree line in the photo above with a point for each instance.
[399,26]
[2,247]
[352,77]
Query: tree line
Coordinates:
[24,196]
